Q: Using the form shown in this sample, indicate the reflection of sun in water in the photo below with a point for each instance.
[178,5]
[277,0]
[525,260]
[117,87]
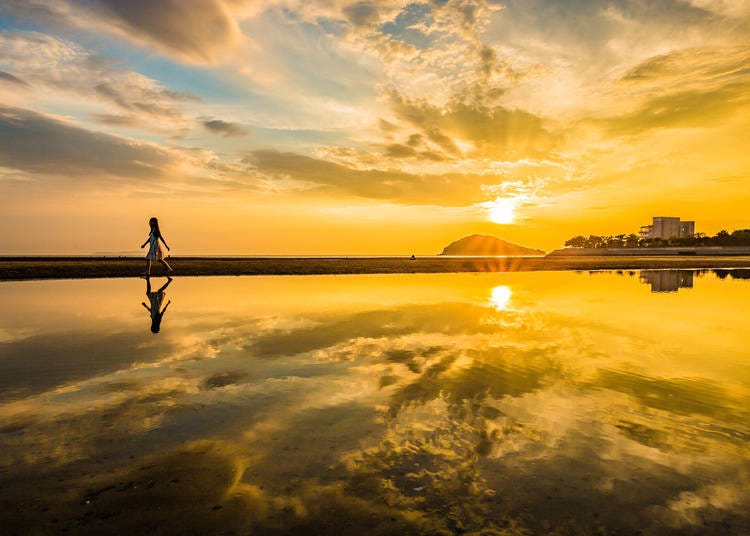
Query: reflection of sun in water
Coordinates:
[500,297]
[501,210]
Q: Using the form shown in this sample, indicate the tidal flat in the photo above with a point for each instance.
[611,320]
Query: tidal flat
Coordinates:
[23,268]
[550,402]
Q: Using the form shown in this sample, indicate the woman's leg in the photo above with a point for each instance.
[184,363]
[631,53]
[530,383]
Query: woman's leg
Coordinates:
[148,268]
[167,266]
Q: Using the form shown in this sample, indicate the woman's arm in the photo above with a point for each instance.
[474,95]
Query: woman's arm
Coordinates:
[146,306]
[144,244]
[164,241]
[165,307]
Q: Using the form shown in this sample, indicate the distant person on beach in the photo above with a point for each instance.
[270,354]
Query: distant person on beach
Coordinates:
[156,299]
[154,249]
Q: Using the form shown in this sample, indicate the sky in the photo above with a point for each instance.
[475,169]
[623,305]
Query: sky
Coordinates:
[290,127]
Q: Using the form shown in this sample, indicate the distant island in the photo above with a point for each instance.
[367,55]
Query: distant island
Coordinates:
[490,246]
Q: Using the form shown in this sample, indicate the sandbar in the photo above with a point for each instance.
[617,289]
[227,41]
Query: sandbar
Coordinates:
[24,268]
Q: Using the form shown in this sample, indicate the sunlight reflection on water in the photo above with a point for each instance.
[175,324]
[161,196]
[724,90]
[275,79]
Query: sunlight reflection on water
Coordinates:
[500,297]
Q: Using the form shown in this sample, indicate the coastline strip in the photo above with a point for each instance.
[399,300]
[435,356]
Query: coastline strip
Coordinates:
[25,268]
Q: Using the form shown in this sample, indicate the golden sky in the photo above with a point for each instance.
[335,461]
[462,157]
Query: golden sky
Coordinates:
[341,127]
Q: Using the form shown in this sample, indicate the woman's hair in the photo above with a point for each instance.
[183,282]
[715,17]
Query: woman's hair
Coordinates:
[154,223]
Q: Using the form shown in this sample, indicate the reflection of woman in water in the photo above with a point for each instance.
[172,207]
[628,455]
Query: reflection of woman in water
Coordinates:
[156,299]
[154,249]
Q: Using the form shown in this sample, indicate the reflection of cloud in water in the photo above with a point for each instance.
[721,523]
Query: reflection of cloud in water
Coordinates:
[403,418]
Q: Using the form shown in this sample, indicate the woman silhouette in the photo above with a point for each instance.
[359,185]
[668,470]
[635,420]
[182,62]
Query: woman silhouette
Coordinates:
[156,299]
[154,249]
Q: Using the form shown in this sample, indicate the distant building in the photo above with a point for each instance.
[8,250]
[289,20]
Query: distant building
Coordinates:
[666,227]
[687,228]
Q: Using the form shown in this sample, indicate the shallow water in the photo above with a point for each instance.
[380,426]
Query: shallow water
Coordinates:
[546,402]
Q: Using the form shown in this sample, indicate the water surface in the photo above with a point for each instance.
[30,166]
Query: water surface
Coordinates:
[546,402]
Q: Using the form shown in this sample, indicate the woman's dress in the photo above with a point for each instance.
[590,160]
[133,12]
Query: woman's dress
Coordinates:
[156,299]
[154,249]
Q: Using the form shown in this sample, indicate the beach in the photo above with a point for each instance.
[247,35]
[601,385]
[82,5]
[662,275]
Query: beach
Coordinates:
[26,268]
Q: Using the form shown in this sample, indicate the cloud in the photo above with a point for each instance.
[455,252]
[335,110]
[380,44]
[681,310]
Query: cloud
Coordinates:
[685,109]
[695,66]
[334,330]
[362,14]
[678,396]
[488,58]
[728,8]
[225,128]
[493,130]
[36,143]
[63,66]
[689,88]
[430,47]
[400,151]
[199,31]
[116,120]
[9,78]
[447,189]
[83,355]
[330,175]
[413,172]
[387,126]
[148,104]
[397,150]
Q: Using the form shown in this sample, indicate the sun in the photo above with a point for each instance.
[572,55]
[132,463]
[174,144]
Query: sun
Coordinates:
[501,210]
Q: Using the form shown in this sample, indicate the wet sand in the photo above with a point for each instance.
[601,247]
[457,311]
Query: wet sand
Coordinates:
[20,268]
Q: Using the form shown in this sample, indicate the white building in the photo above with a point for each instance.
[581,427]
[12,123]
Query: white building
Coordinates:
[665,227]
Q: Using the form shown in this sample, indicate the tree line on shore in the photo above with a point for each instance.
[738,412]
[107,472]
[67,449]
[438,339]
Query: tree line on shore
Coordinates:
[740,237]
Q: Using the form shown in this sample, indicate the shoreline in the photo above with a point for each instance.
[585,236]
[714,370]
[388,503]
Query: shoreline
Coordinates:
[35,268]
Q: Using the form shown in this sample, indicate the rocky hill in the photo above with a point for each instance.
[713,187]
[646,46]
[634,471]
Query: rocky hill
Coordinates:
[487,246]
